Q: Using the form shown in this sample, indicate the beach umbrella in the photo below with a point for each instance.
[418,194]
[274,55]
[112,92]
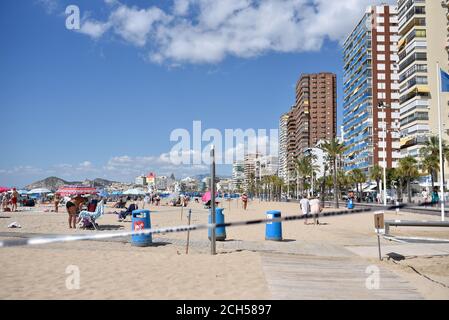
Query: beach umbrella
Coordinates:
[22,192]
[39,191]
[117,193]
[134,192]
[76,191]
[4,189]
[103,194]
[207,196]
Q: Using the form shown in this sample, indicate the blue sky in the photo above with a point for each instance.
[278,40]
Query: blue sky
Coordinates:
[102,101]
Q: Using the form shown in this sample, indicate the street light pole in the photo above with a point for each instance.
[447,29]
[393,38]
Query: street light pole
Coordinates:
[441,144]
[213,249]
[384,143]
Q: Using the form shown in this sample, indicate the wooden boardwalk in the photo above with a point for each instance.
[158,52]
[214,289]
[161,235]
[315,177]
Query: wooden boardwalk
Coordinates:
[304,277]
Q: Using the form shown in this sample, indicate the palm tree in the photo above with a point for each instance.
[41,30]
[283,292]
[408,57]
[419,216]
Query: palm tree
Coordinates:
[430,155]
[334,151]
[376,175]
[408,170]
[358,177]
[344,181]
[430,164]
[304,169]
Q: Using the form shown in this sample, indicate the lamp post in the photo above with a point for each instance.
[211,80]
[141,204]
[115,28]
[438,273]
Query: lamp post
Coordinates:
[440,134]
[382,107]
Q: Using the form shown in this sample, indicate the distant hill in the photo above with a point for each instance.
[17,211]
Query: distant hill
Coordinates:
[53,183]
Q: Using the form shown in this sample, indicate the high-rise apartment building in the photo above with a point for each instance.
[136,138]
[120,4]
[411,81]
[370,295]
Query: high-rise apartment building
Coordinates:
[291,144]
[238,175]
[315,112]
[250,169]
[313,118]
[283,146]
[423,31]
[371,78]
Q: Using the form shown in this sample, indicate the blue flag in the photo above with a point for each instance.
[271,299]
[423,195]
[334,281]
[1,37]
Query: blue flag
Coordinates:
[444,81]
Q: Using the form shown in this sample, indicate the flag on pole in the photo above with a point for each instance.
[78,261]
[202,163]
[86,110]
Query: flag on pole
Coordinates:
[444,81]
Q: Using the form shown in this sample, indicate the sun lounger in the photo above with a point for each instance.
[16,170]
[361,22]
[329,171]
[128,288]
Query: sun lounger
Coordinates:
[93,216]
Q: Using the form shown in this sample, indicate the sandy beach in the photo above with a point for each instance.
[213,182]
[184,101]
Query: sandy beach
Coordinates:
[114,269]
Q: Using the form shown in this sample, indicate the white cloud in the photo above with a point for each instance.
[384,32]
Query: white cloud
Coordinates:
[50,6]
[207,31]
[86,164]
[94,28]
[134,25]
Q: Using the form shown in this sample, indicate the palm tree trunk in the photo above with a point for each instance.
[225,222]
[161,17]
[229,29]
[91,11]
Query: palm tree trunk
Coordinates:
[323,187]
[409,191]
[432,178]
[335,184]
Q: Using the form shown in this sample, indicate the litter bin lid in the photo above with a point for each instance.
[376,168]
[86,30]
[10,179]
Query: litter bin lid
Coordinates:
[140,212]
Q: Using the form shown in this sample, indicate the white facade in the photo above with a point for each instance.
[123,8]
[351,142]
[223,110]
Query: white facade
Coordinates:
[266,166]
[141,181]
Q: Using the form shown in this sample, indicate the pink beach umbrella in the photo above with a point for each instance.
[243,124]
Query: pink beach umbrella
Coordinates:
[4,189]
[76,191]
[207,196]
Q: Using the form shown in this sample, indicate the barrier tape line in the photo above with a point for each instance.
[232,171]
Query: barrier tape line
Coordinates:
[101,236]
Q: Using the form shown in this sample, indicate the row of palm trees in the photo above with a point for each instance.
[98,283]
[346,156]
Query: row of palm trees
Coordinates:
[335,180]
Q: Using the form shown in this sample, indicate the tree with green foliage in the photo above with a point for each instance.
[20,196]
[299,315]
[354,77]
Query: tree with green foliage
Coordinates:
[334,151]
[409,171]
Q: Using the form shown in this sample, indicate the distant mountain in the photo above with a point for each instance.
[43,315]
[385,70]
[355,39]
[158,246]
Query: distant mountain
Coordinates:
[200,177]
[99,183]
[53,183]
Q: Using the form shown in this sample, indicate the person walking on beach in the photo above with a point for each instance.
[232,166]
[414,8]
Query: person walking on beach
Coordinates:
[315,209]
[245,201]
[305,206]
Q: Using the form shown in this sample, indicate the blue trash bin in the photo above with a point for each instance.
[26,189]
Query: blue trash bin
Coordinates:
[273,230]
[141,220]
[220,232]
[350,204]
